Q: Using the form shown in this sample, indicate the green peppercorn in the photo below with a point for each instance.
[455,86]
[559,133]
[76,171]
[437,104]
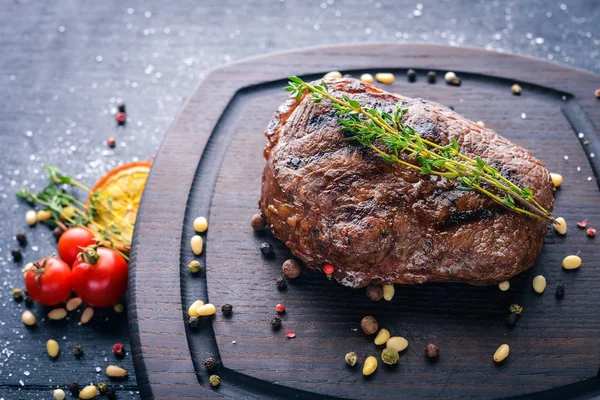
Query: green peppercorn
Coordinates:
[227,309]
[214,380]
[351,359]
[78,351]
[389,356]
[194,266]
[515,308]
[210,363]
[119,308]
[17,294]
[102,387]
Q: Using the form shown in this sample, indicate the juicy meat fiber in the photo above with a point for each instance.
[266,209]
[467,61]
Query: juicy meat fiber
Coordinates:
[333,201]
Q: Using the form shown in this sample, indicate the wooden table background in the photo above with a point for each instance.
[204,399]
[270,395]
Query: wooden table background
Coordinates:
[63,64]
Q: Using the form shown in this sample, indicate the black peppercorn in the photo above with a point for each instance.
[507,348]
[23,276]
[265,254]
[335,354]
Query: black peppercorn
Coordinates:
[110,394]
[227,309]
[28,301]
[121,106]
[281,283]
[511,320]
[21,238]
[74,388]
[210,363]
[560,290]
[16,255]
[194,322]
[266,249]
[276,323]
[78,351]
[451,107]
[431,77]
[57,233]
[411,75]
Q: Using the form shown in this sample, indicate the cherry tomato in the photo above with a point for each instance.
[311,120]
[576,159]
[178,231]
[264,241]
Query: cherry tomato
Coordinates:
[100,280]
[48,281]
[70,242]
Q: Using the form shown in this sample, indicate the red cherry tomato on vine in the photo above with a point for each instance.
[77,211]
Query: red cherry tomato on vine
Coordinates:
[48,281]
[70,242]
[100,280]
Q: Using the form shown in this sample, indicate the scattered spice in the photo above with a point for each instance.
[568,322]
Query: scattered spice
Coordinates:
[369,325]
[511,320]
[119,308]
[74,389]
[121,106]
[119,350]
[266,249]
[275,323]
[121,118]
[291,268]
[374,292]
[57,232]
[111,394]
[227,309]
[591,232]
[411,75]
[257,222]
[432,351]
[111,142]
[210,363]
[389,356]
[194,323]
[560,290]
[280,308]
[516,89]
[194,266]
[21,238]
[431,77]
[214,380]
[16,255]
[102,387]
[28,301]
[582,224]
[17,294]
[290,334]
[351,359]
[515,308]
[281,283]
[328,270]
[78,351]
[597,93]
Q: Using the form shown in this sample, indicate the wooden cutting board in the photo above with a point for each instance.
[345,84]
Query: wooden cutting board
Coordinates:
[211,163]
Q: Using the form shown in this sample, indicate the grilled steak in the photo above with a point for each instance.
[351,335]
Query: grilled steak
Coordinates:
[334,201]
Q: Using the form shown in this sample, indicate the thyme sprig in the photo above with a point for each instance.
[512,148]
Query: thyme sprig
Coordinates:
[395,142]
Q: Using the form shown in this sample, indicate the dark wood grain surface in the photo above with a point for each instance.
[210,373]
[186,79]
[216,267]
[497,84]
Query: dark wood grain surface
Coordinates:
[211,164]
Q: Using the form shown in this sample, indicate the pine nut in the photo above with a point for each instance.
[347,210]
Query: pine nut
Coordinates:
[560,225]
[504,286]
[206,310]
[388,292]
[516,89]
[539,284]
[571,262]
[200,224]
[385,77]
[397,343]
[28,318]
[87,314]
[332,74]
[501,354]
[44,215]
[382,337]
[367,78]
[53,348]
[73,303]
[370,366]
[88,392]
[31,217]
[57,314]
[58,394]
[450,76]
[116,372]
[556,179]
[193,310]
[197,244]
[481,124]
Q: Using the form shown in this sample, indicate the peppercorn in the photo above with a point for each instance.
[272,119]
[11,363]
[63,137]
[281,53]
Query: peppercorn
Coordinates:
[369,325]
[57,232]
[266,249]
[411,75]
[515,308]
[257,222]
[227,309]
[102,387]
[276,323]
[111,394]
[431,77]
[214,380]
[291,269]
[121,106]
[119,350]
[16,255]
[560,290]
[591,232]
[119,308]
[194,266]
[28,301]
[280,308]
[78,351]
[451,107]
[210,363]
[74,388]
[21,238]
[432,351]
[121,117]
[389,356]
[511,320]
[374,292]
[194,323]
[111,142]
[17,294]
[351,359]
[281,283]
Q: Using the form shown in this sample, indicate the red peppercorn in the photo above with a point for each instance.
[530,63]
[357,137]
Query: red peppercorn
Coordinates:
[111,142]
[582,224]
[290,334]
[280,308]
[591,232]
[328,270]
[119,349]
[121,117]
